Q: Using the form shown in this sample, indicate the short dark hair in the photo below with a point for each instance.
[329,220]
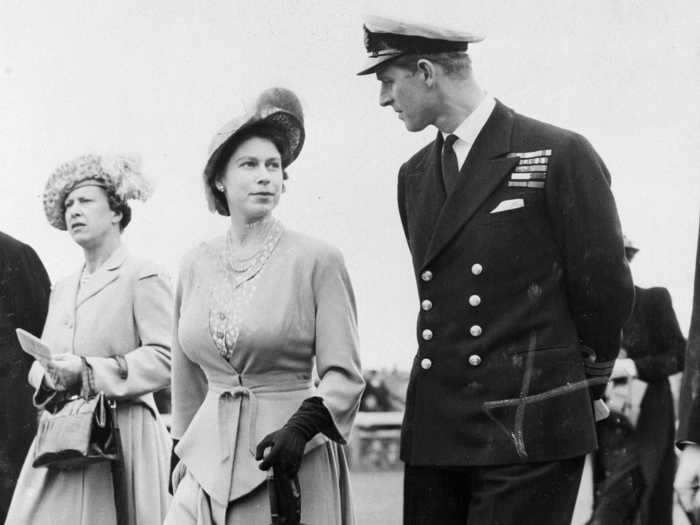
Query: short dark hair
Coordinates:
[215,170]
[452,62]
[118,205]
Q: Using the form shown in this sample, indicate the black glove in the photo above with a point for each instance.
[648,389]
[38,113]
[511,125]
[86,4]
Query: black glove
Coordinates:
[289,441]
[174,460]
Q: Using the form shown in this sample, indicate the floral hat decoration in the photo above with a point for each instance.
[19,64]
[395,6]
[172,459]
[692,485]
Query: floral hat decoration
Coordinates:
[119,174]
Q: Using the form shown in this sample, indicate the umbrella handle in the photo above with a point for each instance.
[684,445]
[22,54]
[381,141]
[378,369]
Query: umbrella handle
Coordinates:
[272,493]
[292,492]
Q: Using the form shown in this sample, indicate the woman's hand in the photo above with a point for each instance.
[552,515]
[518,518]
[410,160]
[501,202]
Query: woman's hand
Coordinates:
[687,483]
[49,380]
[286,451]
[64,371]
[288,443]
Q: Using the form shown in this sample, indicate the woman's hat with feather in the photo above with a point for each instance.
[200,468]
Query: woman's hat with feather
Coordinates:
[276,107]
[119,174]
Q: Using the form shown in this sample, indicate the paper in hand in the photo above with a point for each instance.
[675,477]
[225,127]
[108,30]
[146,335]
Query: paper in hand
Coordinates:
[34,346]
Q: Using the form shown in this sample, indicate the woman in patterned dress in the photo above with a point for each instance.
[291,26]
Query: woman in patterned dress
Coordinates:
[258,312]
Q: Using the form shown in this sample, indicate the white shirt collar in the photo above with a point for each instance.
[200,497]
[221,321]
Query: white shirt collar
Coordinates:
[470,128]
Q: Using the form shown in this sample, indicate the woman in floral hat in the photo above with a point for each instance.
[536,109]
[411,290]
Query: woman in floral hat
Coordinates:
[256,310]
[109,330]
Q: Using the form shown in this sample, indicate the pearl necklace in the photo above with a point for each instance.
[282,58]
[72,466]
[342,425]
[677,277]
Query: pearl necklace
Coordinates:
[267,230]
[230,303]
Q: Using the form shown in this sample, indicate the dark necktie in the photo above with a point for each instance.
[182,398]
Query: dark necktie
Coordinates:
[450,169]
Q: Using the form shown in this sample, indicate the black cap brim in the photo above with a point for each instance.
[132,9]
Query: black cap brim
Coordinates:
[375,63]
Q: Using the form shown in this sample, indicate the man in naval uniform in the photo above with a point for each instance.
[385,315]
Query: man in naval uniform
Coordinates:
[523,289]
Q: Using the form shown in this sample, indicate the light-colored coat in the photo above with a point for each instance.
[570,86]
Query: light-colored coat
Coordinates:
[301,314]
[125,308]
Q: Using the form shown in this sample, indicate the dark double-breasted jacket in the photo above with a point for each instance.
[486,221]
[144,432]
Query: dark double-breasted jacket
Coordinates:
[24,299]
[521,309]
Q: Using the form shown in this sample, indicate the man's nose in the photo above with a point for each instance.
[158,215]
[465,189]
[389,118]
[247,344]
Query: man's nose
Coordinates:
[384,97]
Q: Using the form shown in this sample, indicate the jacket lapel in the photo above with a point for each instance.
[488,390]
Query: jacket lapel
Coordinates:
[428,195]
[104,275]
[481,174]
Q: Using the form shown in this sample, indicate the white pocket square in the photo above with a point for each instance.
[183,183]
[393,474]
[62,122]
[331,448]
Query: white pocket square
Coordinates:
[511,204]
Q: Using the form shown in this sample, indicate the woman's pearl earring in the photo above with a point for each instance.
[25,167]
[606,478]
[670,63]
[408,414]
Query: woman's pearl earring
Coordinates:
[220,187]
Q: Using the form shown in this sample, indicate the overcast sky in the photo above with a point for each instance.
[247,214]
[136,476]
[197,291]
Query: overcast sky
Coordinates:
[159,77]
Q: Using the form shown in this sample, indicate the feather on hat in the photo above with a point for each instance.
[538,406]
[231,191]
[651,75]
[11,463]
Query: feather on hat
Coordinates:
[278,107]
[121,174]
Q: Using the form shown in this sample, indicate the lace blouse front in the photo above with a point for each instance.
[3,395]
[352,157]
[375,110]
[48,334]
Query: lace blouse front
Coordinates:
[231,295]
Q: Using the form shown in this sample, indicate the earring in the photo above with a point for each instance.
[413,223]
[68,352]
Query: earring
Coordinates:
[220,187]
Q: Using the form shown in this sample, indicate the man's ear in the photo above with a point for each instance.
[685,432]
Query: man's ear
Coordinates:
[427,70]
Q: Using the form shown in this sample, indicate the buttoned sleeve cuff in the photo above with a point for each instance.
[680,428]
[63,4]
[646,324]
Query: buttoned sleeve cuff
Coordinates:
[598,373]
[599,369]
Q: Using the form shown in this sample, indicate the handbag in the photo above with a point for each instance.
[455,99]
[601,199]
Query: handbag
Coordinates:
[80,432]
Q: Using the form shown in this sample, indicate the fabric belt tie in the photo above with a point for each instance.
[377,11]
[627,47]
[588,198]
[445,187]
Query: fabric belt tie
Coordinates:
[230,405]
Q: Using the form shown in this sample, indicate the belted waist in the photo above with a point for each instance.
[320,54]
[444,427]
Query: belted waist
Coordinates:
[280,382]
[218,447]
[231,395]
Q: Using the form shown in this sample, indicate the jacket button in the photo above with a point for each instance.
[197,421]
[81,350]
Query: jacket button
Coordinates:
[427,334]
[474,360]
[475,330]
[426,363]
[427,275]
[477,269]
[474,300]
[426,305]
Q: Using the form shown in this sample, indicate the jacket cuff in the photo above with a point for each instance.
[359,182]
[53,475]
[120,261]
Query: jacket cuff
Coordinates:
[598,374]
[599,368]
[87,389]
[313,417]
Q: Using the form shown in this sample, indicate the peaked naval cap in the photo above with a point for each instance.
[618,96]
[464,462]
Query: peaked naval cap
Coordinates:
[387,38]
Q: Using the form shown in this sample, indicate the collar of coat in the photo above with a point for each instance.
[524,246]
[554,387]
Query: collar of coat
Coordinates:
[486,165]
[105,274]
